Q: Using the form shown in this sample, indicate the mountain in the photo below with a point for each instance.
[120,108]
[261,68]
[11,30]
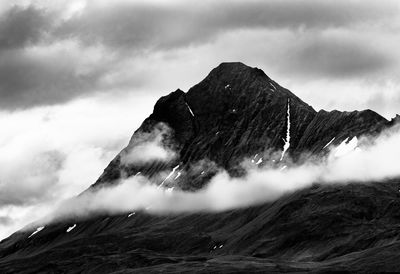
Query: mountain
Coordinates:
[236,112]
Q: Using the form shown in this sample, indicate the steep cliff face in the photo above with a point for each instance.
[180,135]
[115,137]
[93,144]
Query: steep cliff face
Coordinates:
[236,112]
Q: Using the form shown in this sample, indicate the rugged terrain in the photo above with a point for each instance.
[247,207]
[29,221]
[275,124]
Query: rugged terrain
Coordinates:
[236,112]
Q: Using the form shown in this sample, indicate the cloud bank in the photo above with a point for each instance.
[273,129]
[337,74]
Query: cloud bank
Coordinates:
[355,161]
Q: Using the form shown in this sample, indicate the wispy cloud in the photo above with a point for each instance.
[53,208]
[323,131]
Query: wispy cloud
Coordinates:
[148,147]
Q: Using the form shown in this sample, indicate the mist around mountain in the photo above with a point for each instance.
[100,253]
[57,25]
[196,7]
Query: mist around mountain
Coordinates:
[238,174]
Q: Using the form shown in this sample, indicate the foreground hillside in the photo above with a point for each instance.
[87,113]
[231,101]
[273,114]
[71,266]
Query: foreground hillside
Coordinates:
[236,112]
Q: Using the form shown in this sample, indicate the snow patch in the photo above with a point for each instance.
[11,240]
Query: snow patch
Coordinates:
[346,146]
[259,161]
[131,214]
[70,228]
[287,141]
[227,86]
[36,231]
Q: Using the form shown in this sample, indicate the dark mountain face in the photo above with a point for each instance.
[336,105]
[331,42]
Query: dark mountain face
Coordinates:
[236,112]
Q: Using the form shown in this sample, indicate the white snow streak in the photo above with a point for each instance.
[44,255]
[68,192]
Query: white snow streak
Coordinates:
[131,214]
[259,161]
[169,175]
[70,228]
[191,112]
[330,142]
[273,86]
[37,230]
[178,175]
[287,141]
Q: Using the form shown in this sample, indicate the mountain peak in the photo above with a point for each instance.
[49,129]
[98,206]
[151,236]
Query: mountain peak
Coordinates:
[237,111]
[229,73]
[235,68]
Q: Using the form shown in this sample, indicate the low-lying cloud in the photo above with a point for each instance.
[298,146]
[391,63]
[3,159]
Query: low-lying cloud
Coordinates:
[360,160]
[148,147]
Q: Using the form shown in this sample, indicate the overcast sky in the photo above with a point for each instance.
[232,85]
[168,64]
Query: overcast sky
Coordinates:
[77,77]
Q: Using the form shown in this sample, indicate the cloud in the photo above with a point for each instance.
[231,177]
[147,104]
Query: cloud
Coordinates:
[30,178]
[23,26]
[148,147]
[138,25]
[357,161]
[5,220]
[52,153]
[49,74]
[336,55]
[56,51]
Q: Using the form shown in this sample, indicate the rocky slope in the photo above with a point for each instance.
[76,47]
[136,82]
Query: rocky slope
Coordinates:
[236,112]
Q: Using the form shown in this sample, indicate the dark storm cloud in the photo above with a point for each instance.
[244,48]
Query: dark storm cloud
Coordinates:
[126,30]
[139,25]
[22,26]
[28,79]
